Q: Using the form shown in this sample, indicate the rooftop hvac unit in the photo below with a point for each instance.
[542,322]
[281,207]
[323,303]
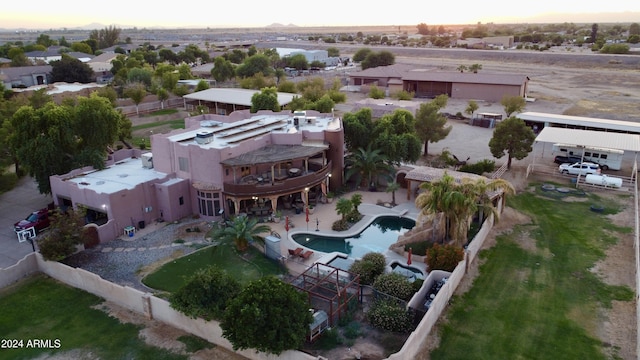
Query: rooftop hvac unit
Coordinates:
[147,160]
[204,137]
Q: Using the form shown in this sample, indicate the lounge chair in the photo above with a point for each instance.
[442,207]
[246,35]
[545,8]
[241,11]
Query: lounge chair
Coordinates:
[295,252]
[307,254]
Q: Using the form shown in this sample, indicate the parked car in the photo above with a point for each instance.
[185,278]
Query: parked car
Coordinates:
[580,168]
[37,219]
[567,159]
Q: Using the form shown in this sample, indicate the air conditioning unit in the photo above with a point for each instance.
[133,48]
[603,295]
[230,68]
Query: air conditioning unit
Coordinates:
[147,160]
[204,137]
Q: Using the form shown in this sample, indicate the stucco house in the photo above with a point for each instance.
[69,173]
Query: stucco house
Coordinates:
[217,166]
[25,76]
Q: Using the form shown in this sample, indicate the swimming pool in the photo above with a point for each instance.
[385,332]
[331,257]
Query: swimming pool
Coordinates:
[377,237]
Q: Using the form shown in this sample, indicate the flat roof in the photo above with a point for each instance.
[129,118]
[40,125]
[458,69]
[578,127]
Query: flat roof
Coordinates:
[234,96]
[618,125]
[224,135]
[589,138]
[123,175]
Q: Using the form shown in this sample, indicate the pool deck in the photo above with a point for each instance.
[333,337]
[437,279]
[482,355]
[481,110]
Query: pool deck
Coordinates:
[326,215]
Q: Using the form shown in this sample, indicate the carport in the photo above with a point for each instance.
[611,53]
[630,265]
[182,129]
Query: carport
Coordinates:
[629,143]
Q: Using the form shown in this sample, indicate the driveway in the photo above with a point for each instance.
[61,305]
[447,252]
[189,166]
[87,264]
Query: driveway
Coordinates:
[14,206]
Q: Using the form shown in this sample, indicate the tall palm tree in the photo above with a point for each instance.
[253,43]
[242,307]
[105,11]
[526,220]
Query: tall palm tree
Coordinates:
[392,187]
[366,165]
[241,230]
[458,201]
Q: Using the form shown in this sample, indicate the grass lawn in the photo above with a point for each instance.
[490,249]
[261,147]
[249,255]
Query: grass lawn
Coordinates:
[251,265]
[42,308]
[538,303]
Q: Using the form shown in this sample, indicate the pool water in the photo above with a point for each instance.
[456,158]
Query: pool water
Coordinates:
[377,237]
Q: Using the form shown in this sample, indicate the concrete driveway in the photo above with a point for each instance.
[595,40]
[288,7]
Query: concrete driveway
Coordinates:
[14,206]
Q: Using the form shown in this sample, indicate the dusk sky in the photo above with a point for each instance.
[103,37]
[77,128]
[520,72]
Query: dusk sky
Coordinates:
[40,14]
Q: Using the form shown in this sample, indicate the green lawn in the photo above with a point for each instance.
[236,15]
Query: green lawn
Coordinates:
[42,308]
[538,303]
[245,267]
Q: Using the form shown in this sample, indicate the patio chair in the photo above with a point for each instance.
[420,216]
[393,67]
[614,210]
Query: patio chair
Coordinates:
[307,254]
[295,252]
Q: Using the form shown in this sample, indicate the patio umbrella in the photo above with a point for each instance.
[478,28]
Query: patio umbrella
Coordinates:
[286,224]
[409,257]
[306,210]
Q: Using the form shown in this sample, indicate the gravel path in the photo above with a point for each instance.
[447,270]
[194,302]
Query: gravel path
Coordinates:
[126,262]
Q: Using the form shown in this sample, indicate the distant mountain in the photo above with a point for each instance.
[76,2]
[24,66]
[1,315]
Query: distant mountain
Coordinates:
[278,25]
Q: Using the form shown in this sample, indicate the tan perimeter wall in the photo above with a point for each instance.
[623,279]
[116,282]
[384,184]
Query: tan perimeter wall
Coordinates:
[159,309]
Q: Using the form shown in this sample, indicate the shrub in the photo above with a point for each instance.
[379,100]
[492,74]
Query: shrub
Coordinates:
[419,248]
[389,316]
[206,294]
[394,284]
[369,267]
[340,225]
[404,95]
[479,168]
[376,93]
[444,257]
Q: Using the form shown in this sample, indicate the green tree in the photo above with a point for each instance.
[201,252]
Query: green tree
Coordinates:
[298,62]
[241,230]
[513,104]
[106,37]
[254,320]
[254,64]
[82,47]
[361,54]
[358,127]
[513,136]
[474,68]
[375,59]
[222,69]
[70,70]
[45,40]
[423,29]
[162,95]
[396,137]
[136,92]
[356,200]
[472,107]
[202,85]
[369,267]
[140,76]
[55,139]
[594,33]
[634,29]
[324,105]
[266,99]
[65,233]
[333,52]
[431,124]
[206,294]
[40,98]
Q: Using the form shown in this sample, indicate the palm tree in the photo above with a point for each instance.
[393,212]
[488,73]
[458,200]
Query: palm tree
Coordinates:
[458,201]
[483,189]
[461,68]
[241,230]
[392,188]
[344,207]
[356,200]
[366,165]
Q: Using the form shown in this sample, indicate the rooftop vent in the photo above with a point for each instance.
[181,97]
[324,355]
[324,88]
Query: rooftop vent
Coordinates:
[204,137]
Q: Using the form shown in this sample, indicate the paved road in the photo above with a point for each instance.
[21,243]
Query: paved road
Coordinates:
[16,205]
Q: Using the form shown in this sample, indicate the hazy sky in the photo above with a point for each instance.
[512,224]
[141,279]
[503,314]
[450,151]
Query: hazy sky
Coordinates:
[41,14]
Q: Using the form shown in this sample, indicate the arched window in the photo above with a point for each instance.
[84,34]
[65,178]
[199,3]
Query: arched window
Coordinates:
[209,203]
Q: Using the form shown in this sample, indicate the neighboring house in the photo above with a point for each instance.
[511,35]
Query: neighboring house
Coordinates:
[46,56]
[4,62]
[223,101]
[127,48]
[310,55]
[84,57]
[101,66]
[217,166]
[429,83]
[25,76]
